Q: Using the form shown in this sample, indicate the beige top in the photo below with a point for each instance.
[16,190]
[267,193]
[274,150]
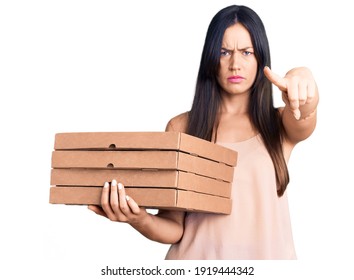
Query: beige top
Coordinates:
[259,226]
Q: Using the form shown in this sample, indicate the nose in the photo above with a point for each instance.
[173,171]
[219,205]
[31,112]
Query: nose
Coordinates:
[234,62]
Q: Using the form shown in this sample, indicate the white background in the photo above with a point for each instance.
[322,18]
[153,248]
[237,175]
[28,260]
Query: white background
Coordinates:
[68,66]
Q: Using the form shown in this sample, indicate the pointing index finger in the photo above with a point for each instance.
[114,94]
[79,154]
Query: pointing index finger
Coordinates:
[275,79]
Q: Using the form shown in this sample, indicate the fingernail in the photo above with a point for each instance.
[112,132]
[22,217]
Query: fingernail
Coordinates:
[297,114]
[114,183]
[127,197]
[106,185]
[120,186]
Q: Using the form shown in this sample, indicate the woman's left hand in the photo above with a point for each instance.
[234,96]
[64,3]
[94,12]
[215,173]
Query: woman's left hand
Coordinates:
[298,87]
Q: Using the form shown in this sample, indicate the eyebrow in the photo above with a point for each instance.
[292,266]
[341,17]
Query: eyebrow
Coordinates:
[241,49]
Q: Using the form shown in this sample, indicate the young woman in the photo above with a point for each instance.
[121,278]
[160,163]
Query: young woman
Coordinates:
[233,106]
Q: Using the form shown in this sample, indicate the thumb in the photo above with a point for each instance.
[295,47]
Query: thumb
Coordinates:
[275,79]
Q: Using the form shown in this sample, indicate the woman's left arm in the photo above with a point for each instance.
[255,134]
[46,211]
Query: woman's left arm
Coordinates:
[300,94]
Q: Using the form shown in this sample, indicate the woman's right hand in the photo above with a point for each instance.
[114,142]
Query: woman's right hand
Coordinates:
[165,227]
[119,207]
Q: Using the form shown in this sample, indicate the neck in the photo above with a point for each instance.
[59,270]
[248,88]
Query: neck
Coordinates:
[234,104]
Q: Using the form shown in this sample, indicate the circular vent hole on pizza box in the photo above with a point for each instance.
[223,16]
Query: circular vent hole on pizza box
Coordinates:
[110,165]
[112,146]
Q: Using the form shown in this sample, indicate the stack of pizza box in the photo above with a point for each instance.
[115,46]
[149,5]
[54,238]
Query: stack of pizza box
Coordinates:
[160,170]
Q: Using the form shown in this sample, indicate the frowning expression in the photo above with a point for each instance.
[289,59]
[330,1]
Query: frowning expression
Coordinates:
[238,64]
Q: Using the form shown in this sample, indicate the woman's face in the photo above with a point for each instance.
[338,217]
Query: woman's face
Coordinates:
[238,64]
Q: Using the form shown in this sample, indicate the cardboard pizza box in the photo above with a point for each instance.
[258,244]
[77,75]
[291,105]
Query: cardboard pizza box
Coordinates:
[161,170]
[141,178]
[158,160]
[145,141]
[152,198]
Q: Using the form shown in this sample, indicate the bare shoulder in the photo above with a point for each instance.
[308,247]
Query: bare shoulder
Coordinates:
[178,123]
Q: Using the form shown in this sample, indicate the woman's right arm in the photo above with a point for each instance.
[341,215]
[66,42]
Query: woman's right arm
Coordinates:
[164,227]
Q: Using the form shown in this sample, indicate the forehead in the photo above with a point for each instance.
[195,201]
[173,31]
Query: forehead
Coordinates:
[236,36]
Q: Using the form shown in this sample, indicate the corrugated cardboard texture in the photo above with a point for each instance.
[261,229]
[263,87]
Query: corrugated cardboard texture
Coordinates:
[146,141]
[166,170]
[148,197]
[170,160]
[141,178]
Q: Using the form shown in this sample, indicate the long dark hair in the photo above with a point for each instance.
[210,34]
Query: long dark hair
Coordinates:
[202,118]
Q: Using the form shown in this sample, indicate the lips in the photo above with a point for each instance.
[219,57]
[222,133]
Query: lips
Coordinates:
[235,79]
